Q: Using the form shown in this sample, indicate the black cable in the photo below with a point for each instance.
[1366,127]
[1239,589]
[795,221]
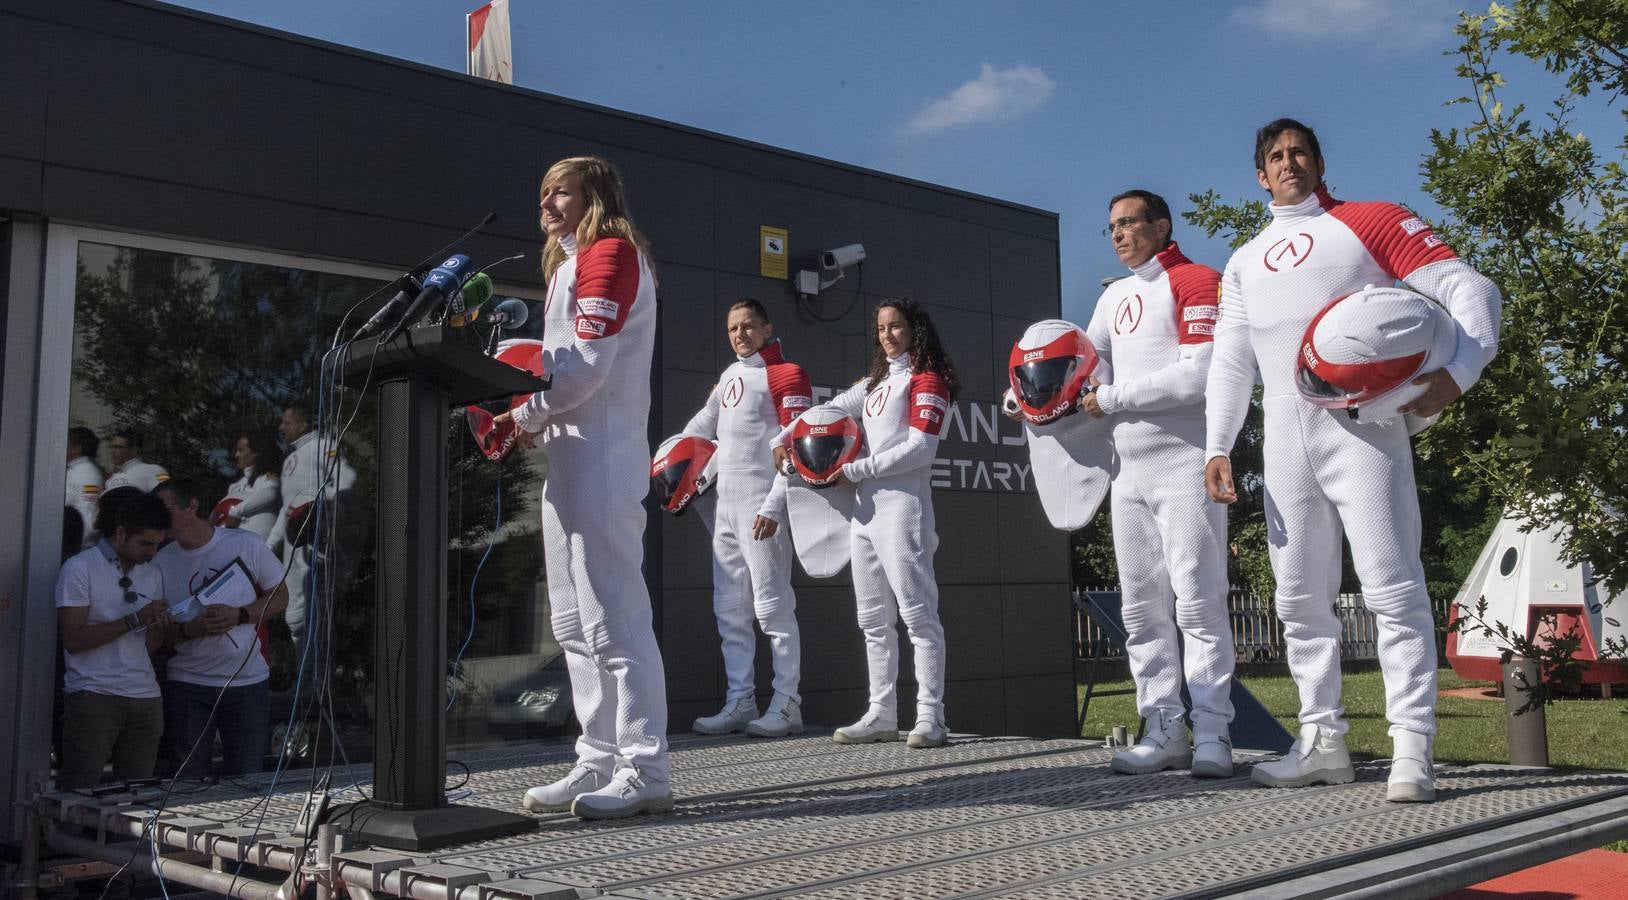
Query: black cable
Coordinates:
[859,289]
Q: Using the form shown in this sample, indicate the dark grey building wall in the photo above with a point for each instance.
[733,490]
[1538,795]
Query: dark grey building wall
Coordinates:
[140,117]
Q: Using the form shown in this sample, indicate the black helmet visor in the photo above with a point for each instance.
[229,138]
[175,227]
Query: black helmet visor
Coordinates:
[819,452]
[1040,381]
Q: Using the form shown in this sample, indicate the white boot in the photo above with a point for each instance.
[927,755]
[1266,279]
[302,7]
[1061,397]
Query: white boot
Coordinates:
[1212,751]
[627,794]
[869,730]
[733,717]
[784,717]
[1164,746]
[1413,777]
[929,732]
[1317,757]
[557,797]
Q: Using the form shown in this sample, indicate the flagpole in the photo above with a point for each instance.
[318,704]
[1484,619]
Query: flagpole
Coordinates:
[469,57]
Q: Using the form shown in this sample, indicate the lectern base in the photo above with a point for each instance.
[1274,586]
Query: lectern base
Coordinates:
[427,829]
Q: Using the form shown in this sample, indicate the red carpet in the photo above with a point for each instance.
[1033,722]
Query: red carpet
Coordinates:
[1590,875]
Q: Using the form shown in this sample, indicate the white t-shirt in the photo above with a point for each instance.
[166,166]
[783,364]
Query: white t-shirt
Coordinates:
[120,667]
[212,661]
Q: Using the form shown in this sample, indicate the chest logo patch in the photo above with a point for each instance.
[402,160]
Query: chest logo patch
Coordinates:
[877,400]
[1289,252]
[733,391]
[1128,315]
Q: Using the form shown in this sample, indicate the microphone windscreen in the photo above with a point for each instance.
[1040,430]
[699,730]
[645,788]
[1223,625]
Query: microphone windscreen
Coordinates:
[476,291]
[514,312]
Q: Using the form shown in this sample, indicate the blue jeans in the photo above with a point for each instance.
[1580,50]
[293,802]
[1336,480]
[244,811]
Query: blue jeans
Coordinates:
[241,719]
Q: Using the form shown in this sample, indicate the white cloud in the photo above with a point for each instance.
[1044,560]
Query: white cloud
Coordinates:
[994,95]
[1398,21]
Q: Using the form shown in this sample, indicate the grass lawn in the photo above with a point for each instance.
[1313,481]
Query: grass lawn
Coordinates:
[1583,734]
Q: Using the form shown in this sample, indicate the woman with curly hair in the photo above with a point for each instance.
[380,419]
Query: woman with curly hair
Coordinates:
[901,404]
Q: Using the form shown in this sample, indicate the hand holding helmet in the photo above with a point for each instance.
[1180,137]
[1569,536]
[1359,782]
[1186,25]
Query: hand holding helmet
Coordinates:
[822,442]
[1049,369]
[682,470]
[1364,353]
[493,427]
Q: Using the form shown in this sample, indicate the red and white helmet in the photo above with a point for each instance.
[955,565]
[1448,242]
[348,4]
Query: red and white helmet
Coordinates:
[1050,365]
[822,442]
[495,441]
[225,509]
[1362,352]
[682,470]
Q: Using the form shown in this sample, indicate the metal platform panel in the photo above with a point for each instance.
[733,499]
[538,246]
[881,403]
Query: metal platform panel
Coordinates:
[982,817]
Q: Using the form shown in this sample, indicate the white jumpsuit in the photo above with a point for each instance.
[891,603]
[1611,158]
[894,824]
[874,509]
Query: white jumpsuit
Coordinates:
[258,503]
[598,337]
[304,470]
[894,536]
[1154,329]
[755,397]
[1325,471]
[136,473]
[84,489]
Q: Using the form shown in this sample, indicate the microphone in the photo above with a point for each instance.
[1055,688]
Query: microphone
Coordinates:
[443,281]
[466,304]
[510,314]
[407,287]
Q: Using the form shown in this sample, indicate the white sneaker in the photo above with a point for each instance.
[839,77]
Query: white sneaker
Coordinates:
[784,717]
[557,797]
[1413,776]
[927,733]
[1212,753]
[733,717]
[1317,757]
[1164,746]
[871,729]
[626,795]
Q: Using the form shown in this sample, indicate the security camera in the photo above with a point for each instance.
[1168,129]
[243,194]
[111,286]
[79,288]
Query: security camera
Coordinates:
[842,257]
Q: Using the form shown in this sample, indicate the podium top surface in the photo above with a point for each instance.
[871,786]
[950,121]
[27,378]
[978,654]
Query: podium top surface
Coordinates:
[433,354]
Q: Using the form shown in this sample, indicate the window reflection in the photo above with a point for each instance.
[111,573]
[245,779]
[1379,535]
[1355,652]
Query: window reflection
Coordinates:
[196,362]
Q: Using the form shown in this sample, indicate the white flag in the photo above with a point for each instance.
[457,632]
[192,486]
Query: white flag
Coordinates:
[490,55]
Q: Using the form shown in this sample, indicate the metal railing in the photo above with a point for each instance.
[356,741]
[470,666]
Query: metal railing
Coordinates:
[1257,632]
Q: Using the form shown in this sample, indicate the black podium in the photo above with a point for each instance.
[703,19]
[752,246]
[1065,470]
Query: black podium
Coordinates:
[419,376]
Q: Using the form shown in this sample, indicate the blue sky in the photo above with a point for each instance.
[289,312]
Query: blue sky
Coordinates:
[1053,104]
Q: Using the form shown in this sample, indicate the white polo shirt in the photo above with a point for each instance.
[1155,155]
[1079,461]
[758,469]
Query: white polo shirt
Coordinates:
[122,666]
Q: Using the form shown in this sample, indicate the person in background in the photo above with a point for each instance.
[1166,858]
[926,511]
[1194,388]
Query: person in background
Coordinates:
[129,469]
[84,481]
[253,500]
[218,681]
[111,616]
[751,554]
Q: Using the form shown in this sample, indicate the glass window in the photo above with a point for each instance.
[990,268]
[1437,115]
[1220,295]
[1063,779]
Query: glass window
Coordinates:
[191,363]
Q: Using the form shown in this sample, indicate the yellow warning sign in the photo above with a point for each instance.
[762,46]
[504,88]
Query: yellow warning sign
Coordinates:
[771,252]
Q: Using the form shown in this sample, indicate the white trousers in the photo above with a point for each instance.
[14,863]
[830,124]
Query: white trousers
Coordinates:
[752,579]
[1169,542]
[1324,471]
[894,538]
[593,546]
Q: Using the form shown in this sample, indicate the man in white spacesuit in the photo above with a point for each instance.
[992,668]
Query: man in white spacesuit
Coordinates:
[84,479]
[751,555]
[313,466]
[129,469]
[1326,471]
[1154,330]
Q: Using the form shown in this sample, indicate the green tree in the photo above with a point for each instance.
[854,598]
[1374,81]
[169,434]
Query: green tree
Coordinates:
[1538,207]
